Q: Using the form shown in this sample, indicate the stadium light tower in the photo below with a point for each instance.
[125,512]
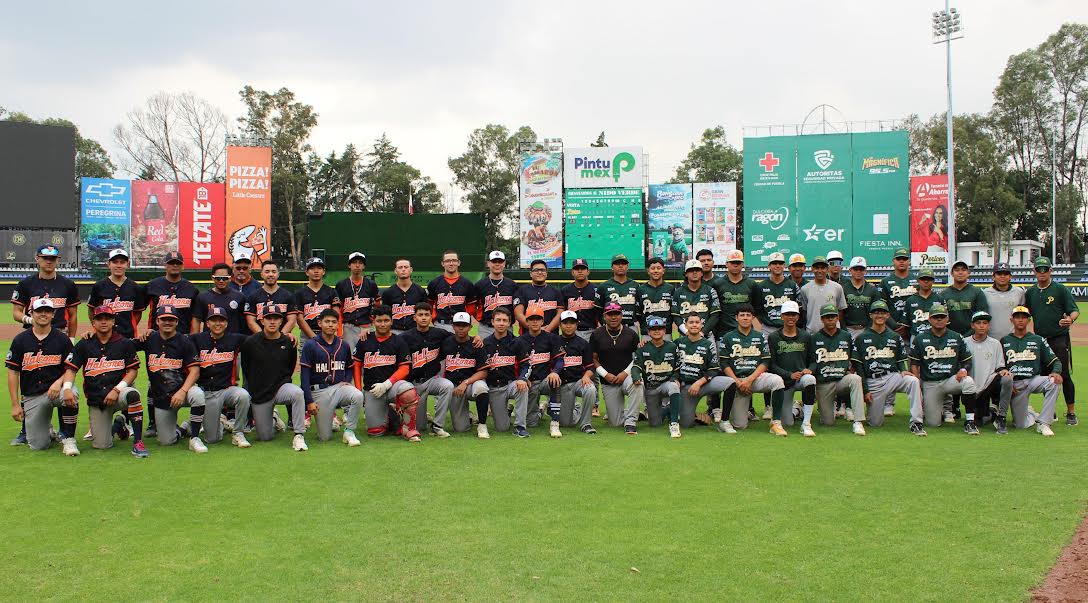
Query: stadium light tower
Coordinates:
[946,27]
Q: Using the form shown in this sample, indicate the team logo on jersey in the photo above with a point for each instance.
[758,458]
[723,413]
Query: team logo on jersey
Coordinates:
[687,307]
[36,360]
[572,361]
[376,359]
[498,360]
[739,350]
[175,301]
[101,366]
[1027,355]
[921,316]
[352,304]
[455,363]
[120,305]
[826,355]
[423,357]
[58,302]
[874,353]
[933,352]
[162,362]
[621,299]
[576,304]
[312,311]
[695,358]
[449,300]
[497,301]
[789,347]
[324,367]
[233,304]
[657,368]
[539,358]
[662,306]
[403,310]
[897,291]
[210,357]
[543,305]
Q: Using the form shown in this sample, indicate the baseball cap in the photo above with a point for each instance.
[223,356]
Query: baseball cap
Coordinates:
[580,263]
[612,307]
[693,265]
[272,310]
[315,262]
[830,310]
[42,303]
[241,257]
[1021,310]
[926,273]
[568,315]
[878,306]
[776,257]
[118,253]
[819,260]
[857,262]
[496,256]
[462,318]
[216,312]
[1001,267]
[791,306]
[734,255]
[534,311]
[938,310]
[1042,261]
[619,258]
[981,315]
[165,311]
[173,256]
[48,251]
[103,310]
[901,253]
[834,254]
[655,322]
[357,255]
[959,263]
[797,258]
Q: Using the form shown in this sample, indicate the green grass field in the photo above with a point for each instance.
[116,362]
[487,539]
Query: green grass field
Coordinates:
[609,517]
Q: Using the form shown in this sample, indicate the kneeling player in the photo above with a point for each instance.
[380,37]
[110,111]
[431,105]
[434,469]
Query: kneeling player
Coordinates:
[381,371]
[505,355]
[829,361]
[789,347]
[941,360]
[745,358]
[172,370]
[656,372]
[465,366]
[1035,368]
[327,370]
[700,375]
[268,363]
[576,378]
[218,353]
[880,360]
[540,370]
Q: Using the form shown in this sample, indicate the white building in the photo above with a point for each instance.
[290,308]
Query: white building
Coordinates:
[1015,253]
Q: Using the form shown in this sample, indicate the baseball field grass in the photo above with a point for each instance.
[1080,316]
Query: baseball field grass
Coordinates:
[606,517]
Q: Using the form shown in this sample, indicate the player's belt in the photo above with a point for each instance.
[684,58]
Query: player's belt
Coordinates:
[1021,378]
[320,386]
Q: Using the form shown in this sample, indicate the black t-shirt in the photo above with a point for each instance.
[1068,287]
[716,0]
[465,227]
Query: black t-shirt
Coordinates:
[356,300]
[60,290]
[230,301]
[402,304]
[543,350]
[103,364]
[126,299]
[267,364]
[425,351]
[504,358]
[40,362]
[577,358]
[545,297]
[180,295]
[312,303]
[167,362]
[450,298]
[495,294]
[462,360]
[380,358]
[614,354]
[218,359]
[261,299]
[583,301]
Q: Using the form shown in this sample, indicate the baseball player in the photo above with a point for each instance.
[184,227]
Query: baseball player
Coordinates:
[860,295]
[221,296]
[829,361]
[880,359]
[1001,298]
[401,297]
[425,372]
[613,346]
[218,351]
[797,270]
[544,361]
[506,356]
[120,293]
[450,293]
[381,370]
[313,298]
[35,364]
[699,374]
[1054,309]
[619,290]
[358,294]
[51,285]
[538,294]
[1035,368]
[734,289]
[495,290]
[695,295]
[580,297]
[271,294]
[993,382]
[819,292]
[576,377]
[941,361]
[706,260]
[174,290]
[896,288]
[655,297]
[768,295]
[918,305]
[465,366]
[268,363]
[172,370]
[962,299]
[789,348]
[109,366]
[745,358]
[327,371]
[835,261]
[243,281]
[656,371]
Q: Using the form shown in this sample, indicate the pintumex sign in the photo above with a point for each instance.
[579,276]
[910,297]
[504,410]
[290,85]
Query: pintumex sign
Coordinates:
[602,167]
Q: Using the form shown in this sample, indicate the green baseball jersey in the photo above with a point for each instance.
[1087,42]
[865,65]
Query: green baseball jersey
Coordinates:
[877,355]
[731,295]
[939,357]
[1029,356]
[698,359]
[768,297]
[896,290]
[654,301]
[703,302]
[962,305]
[789,354]
[656,365]
[858,301]
[1048,306]
[802,283]
[829,355]
[917,311]
[625,294]
[714,281]
[743,353]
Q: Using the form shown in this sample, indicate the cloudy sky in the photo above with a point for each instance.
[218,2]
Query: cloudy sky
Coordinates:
[427,73]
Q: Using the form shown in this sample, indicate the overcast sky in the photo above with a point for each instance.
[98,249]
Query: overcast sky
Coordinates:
[427,73]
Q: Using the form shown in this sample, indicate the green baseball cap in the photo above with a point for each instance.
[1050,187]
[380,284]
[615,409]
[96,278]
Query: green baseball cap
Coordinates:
[1042,261]
[828,310]
[926,273]
[901,253]
[938,310]
[619,258]
[879,306]
[819,260]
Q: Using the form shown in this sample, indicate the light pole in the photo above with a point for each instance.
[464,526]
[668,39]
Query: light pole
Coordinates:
[946,27]
[1054,197]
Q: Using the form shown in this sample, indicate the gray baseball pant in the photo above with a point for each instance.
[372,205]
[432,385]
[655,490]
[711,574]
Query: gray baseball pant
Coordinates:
[567,394]
[289,395]
[338,395]
[883,391]
[787,395]
[459,414]
[498,397]
[934,394]
[377,409]
[166,419]
[214,403]
[442,390]
[717,385]
[826,393]
[1021,391]
[765,383]
[656,398]
[38,415]
[101,417]
[620,414]
[352,333]
[527,411]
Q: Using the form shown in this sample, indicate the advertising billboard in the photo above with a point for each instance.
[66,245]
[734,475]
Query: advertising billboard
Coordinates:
[603,167]
[881,195]
[105,214]
[540,189]
[668,214]
[201,213]
[824,190]
[249,203]
[602,222]
[929,220]
[715,217]
[770,197]
[154,231]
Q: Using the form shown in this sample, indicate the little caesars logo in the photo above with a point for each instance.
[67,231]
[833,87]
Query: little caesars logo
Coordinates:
[605,168]
[824,159]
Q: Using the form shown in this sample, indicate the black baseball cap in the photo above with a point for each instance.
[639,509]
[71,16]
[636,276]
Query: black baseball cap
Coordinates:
[216,312]
[166,311]
[1001,267]
[173,257]
[580,263]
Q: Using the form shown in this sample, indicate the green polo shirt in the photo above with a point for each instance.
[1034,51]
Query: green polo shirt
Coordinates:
[962,305]
[1048,306]
[789,354]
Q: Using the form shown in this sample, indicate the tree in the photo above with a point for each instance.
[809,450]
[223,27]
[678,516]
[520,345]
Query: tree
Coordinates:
[488,172]
[336,182]
[714,159]
[600,141]
[278,117]
[178,137]
[921,160]
[390,182]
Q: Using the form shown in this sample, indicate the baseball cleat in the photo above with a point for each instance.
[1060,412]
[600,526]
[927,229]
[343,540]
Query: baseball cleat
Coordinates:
[859,429]
[53,435]
[1000,425]
[415,438]
[438,432]
[630,430]
[239,440]
[520,431]
[349,438]
[280,425]
[87,437]
[727,427]
[752,416]
[139,450]
[970,428]
[481,431]
[840,412]
[197,446]
[850,414]
[777,430]
[298,443]
[589,430]
[121,428]
[717,415]
[768,413]
[916,429]
[336,423]
[183,429]
[68,447]
[1070,419]
[20,440]
[889,410]
[596,411]
[151,431]
[806,430]
[949,417]
[674,430]
[228,425]
[553,430]
[1044,429]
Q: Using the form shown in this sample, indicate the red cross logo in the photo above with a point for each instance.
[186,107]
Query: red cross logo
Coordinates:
[769,162]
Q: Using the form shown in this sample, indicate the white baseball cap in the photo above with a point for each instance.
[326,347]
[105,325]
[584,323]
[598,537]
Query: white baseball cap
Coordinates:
[568,315]
[797,258]
[462,318]
[356,255]
[242,257]
[834,255]
[496,255]
[693,265]
[118,253]
[734,255]
[857,262]
[776,257]
[790,306]
[42,302]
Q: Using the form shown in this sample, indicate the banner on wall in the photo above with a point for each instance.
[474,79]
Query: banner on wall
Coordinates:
[540,187]
[249,203]
[154,231]
[603,167]
[770,197]
[668,213]
[929,220]
[881,222]
[824,188]
[201,213]
[715,207]
[105,214]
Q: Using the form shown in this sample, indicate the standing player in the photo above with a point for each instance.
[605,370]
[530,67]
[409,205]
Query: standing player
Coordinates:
[819,292]
[745,358]
[172,370]
[120,293]
[465,367]
[992,380]
[734,290]
[699,374]
[538,294]
[109,366]
[425,351]
[381,371]
[695,295]
[544,360]
[962,299]
[450,293]
[656,371]
[580,297]
[270,294]
[268,363]
[1001,298]
[506,355]
[576,376]
[942,362]
[860,295]
[35,364]
[47,284]
[797,270]
[1054,310]
[613,346]
[1034,368]
[243,281]
[770,294]
[327,369]
[655,297]
[402,296]
[829,361]
[358,294]
[494,291]
[896,288]
[221,296]
[918,305]
[706,260]
[880,359]
[172,290]
[620,290]
[313,298]
[835,261]
[789,348]
[218,351]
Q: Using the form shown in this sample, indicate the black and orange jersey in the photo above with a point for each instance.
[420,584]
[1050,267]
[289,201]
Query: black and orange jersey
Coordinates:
[495,294]
[126,299]
[450,297]
[218,359]
[167,362]
[402,304]
[60,290]
[312,303]
[356,300]
[180,295]
[40,362]
[380,358]
[103,364]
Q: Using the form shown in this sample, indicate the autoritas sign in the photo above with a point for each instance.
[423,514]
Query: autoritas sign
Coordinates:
[602,167]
